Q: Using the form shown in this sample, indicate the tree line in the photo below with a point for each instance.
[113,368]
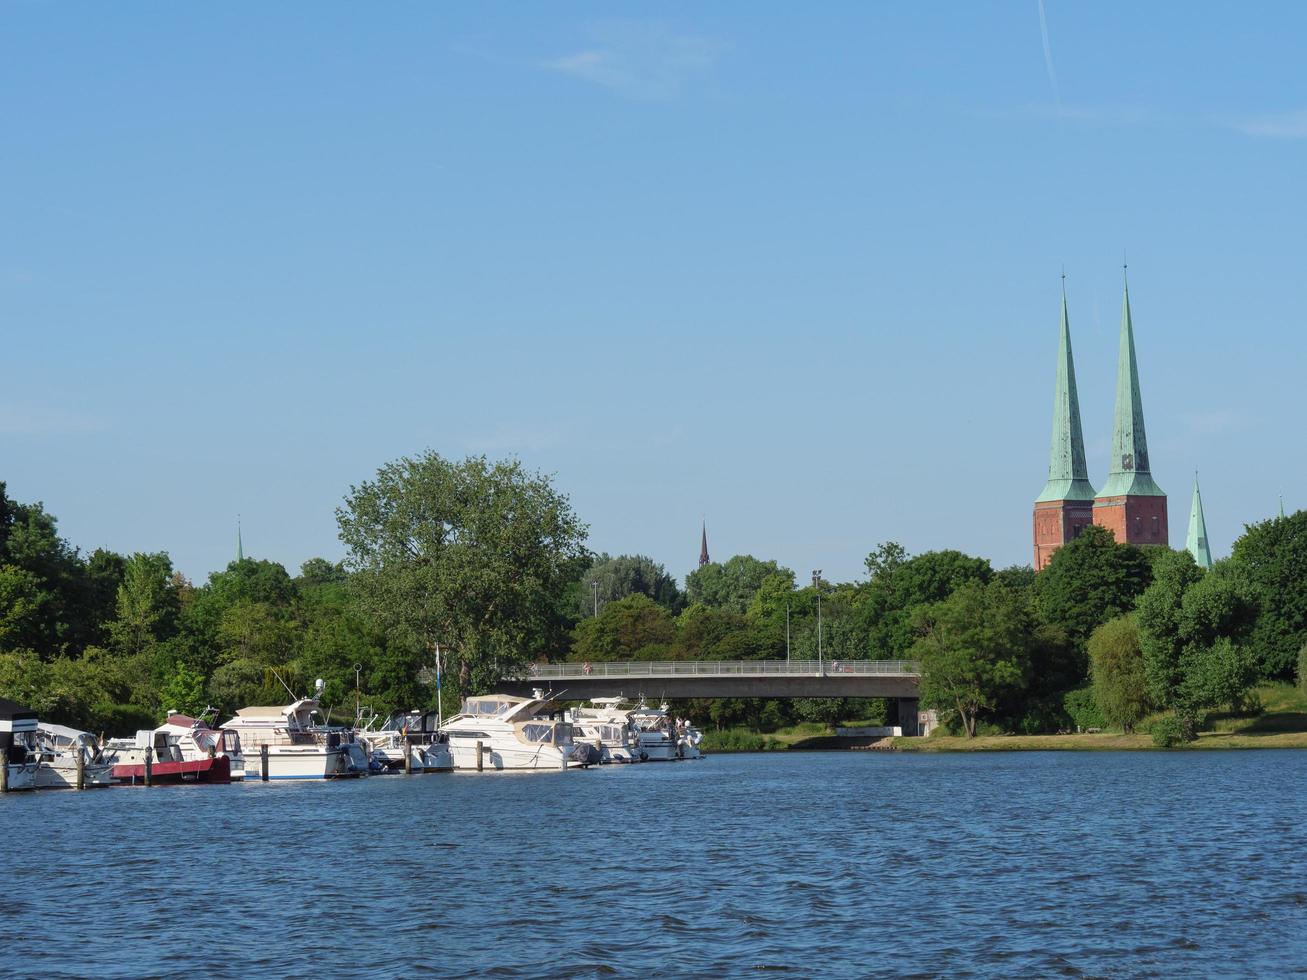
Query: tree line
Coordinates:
[471,569]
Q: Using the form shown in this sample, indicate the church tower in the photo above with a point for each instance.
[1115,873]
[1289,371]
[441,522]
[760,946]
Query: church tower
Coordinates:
[1130,504]
[1066,505]
[1196,542]
[703,546]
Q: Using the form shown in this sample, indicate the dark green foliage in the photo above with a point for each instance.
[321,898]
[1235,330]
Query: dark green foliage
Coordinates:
[899,584]
[1172,732]
[825,711]
[1081,707]
[1090,580]
[730,585]
[1272,557]
[623,628]
[974,650]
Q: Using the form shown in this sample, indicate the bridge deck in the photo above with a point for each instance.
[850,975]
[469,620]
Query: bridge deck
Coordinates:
[724,678]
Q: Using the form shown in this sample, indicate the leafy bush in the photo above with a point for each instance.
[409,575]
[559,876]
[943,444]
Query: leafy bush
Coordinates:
[735,740]
[1082,708]
[1170,732]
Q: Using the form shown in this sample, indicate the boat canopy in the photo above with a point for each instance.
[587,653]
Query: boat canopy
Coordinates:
[491,705]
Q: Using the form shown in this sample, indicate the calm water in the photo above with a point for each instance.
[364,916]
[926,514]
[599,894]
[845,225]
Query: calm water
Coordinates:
[836,864]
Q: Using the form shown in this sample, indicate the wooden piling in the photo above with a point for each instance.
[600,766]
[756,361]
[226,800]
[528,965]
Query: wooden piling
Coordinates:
[149,766]
[81,769]
[480,763]
[4,770]
[408,759]
[263,762]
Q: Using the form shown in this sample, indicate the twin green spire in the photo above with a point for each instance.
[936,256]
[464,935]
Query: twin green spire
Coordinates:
[1196,543]
[1068,476]
[1129,474]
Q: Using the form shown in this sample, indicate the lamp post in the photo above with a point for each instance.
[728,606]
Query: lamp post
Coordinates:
[787,633]
[816,584]
[594,585]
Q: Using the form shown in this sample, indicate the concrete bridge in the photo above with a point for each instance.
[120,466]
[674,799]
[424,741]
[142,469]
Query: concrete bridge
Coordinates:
[659,679]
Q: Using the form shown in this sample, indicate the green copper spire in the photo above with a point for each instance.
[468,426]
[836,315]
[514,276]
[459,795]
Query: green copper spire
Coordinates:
[1068,476]
[240,548]
[1129,473]
[1196,543]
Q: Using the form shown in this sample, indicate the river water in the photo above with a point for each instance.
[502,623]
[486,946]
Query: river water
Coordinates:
[846,864]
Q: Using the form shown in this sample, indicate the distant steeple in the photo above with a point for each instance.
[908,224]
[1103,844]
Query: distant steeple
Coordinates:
[240,548]
[703,546]
[1281,505]
[1068,475]
[1196,543]
[1129,474]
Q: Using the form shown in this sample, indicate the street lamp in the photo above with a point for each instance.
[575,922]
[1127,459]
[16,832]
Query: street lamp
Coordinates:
[816,584]
[594,585]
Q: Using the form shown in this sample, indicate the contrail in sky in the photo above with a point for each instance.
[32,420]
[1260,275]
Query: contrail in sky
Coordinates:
[1048,55]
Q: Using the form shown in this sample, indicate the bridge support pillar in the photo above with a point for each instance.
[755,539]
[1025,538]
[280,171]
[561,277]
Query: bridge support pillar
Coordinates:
[903,713]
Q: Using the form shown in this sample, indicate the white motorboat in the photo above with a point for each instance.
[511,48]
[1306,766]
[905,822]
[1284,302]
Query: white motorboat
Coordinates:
[511,735]
[687,740]
[19,739]
[605,725]
[59,748]
[180,740]
[297,747]
[414,732]
[658,738]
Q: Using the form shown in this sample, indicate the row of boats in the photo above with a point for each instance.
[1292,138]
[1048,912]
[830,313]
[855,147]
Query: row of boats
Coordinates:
[294,741]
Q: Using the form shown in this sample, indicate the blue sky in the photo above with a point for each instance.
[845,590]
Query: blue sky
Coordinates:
[793,269]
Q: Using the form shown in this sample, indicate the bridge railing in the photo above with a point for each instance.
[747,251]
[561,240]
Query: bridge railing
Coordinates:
[720,668]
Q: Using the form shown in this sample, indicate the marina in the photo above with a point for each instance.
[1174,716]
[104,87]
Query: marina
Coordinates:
[492,732]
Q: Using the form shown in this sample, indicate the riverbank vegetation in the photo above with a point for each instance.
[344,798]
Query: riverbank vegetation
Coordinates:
[466,570]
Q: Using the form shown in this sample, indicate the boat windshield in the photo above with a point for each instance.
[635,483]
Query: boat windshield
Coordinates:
[487,707]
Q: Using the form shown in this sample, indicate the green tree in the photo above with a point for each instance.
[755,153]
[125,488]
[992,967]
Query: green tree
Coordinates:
[469,555]
[184,691]
[1090,580]
[974,649]
[623,628]
[732,584]
[900,584]
[625,575]
[1272,559]
[1120,683]
[146,606]
[1161,627]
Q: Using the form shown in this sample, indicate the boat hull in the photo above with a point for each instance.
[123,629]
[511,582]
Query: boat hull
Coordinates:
[215,770]
[65,777]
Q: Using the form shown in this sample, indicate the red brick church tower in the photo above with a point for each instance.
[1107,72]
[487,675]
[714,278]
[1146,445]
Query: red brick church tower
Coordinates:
[1130,504]
[1066,505]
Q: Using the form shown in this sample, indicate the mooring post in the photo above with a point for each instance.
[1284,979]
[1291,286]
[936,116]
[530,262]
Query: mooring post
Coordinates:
[408,759]
[149,766]
[4,770]
[81,769]
[263,762]
[480,764]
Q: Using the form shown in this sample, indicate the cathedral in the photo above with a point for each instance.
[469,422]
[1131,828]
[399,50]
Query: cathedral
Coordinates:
[1130,504]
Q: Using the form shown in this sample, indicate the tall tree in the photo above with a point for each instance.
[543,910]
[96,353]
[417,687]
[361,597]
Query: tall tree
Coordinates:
[731,584]
[609,579]
[1116,663]
[974,649]
[899,584]
[147,604]
[469,555]
[1090,580]
[1272,556]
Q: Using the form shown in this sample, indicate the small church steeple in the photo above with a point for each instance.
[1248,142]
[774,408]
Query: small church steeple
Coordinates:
[1196,542]
[240,548]
[703,546]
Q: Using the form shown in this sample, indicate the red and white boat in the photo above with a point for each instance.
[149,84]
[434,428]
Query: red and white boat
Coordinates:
[183,750]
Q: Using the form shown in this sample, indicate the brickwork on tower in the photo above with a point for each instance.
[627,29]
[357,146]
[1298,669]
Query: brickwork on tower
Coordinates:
[1056,523]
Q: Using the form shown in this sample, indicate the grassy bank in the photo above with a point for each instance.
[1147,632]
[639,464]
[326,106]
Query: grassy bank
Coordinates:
[1277,720]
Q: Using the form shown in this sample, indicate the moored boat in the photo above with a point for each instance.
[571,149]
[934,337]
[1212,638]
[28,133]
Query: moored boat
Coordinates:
[18,740]
[512,734]
[297,747]
[60,748]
